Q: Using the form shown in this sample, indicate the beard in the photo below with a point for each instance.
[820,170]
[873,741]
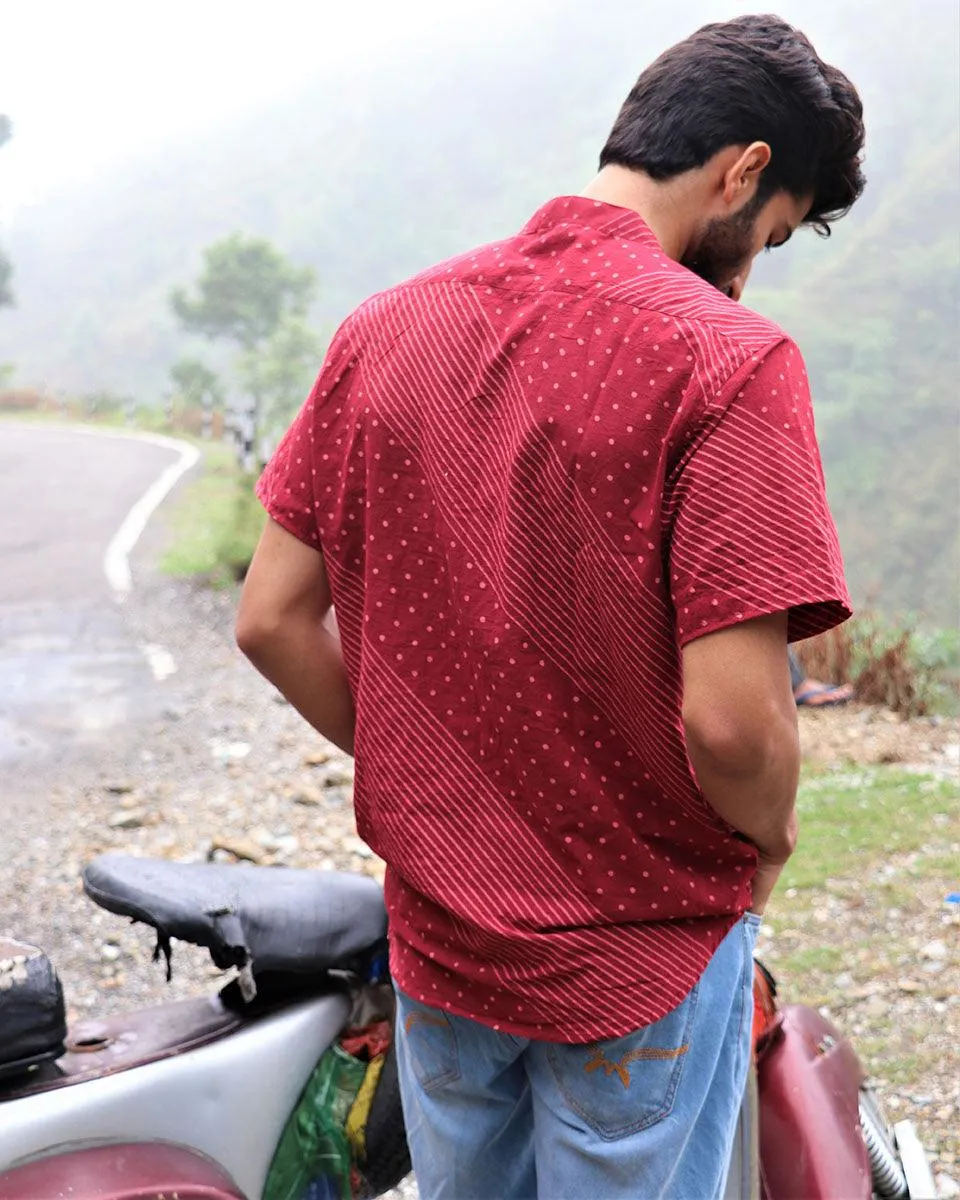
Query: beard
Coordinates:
[725,245]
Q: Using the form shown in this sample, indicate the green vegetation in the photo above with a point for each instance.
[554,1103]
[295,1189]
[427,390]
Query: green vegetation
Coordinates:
[907,667]
[249,294]
[196,384]
[6,268]
[215,523]
[852,822]
[856,904]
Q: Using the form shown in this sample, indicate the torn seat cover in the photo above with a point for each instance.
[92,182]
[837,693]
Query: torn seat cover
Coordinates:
[260,918]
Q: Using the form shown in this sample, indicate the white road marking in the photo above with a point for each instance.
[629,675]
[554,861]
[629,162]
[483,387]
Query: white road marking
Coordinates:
[116,560]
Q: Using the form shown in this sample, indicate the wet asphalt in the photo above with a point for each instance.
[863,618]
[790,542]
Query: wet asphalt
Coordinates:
[72,673]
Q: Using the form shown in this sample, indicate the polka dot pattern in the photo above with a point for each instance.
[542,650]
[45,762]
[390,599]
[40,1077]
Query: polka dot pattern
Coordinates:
[520,466]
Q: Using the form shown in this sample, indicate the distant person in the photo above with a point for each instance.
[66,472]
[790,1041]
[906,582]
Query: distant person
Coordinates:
[568,502]
[813,693]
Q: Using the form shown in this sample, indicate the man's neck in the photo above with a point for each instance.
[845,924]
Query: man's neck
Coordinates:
[662,206]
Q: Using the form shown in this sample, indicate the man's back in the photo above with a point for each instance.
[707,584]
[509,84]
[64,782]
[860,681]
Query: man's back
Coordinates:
[534,473]
[567,500]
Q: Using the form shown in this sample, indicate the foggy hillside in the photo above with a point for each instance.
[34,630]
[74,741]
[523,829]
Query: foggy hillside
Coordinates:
[373,170]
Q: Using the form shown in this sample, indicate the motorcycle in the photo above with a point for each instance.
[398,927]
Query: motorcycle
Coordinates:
[196,1099]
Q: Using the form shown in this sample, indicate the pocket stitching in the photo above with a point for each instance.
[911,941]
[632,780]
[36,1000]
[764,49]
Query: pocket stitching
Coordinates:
[439,1020]
[608,1133]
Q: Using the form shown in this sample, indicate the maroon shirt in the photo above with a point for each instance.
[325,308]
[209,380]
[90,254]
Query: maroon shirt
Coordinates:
[535,472]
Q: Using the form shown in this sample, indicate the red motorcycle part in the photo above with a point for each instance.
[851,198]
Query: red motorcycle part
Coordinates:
[766,1014]
[811,1146]
[128,1171]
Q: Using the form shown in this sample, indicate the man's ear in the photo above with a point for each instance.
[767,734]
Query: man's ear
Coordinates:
[742,176]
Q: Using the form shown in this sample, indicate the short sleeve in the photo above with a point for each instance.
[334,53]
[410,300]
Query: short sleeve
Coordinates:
[751,532]
[287,486]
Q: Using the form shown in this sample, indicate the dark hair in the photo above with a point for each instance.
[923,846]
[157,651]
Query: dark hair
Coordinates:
[752,79]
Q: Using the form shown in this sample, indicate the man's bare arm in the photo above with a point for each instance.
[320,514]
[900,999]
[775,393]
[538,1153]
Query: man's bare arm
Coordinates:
[740,719]
[280,627]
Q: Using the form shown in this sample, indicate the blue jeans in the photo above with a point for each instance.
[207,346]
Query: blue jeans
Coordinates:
[491,1116]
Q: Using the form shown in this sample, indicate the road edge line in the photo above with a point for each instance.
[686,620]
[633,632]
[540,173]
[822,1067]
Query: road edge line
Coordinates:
[116,560]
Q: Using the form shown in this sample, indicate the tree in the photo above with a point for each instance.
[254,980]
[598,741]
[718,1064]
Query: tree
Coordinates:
[199,387]
[6,268]
[279,372]
[245,291]
[250,294]
[196,383]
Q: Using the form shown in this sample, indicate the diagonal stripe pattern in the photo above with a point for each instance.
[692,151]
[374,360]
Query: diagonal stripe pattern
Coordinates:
[535,472]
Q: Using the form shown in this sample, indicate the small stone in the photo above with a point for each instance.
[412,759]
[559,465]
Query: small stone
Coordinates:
[118,787]
[354,845]
[338,774]
[946,1112]
[132,818]
[863,992]
[936,950]
[308,795]
[109,952]
[947,1187]
[240,848]
[336,797]
[876,1007]
[229,752]
[911,986]
[316,758]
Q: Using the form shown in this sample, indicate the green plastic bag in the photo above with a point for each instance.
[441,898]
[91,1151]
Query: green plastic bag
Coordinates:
[312,1159]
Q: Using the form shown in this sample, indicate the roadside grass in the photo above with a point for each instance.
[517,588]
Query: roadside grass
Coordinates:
[850,821]
[215,522]
[872,842]
[847,927]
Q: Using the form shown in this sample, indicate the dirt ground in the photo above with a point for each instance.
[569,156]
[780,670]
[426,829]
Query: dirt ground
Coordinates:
[877,949]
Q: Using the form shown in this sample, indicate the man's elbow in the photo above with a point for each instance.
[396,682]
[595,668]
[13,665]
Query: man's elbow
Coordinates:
[256,627]
[741,743]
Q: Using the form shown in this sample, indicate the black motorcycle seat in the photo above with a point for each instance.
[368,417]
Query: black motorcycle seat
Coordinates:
[259,918]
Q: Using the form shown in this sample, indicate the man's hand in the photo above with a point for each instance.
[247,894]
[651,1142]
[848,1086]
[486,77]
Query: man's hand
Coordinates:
[740,720]
[282,629]
[768,872]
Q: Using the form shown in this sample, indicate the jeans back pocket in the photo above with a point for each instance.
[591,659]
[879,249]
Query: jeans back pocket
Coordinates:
[622,1085]
[431,1043]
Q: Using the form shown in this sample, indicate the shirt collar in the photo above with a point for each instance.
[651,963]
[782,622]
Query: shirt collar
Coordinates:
[609,219]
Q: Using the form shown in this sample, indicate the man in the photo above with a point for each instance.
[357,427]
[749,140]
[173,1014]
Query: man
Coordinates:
[566,498]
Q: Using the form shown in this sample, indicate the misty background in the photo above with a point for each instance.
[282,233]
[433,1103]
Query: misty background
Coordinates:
[369,144]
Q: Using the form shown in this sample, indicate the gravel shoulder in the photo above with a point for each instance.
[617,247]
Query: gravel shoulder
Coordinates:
[229,771]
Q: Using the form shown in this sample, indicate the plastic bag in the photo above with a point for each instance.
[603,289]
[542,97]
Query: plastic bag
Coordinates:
[325,1138]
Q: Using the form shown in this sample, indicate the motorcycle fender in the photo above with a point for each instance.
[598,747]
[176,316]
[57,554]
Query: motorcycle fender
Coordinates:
[123,1171]
[811,1147]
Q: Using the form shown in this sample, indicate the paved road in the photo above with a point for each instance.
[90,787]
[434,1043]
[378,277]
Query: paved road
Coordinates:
[70,671]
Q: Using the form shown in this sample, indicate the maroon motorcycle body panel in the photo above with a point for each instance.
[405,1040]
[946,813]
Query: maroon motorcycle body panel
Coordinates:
[809,1081]
[95,1048]
[126,1171]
